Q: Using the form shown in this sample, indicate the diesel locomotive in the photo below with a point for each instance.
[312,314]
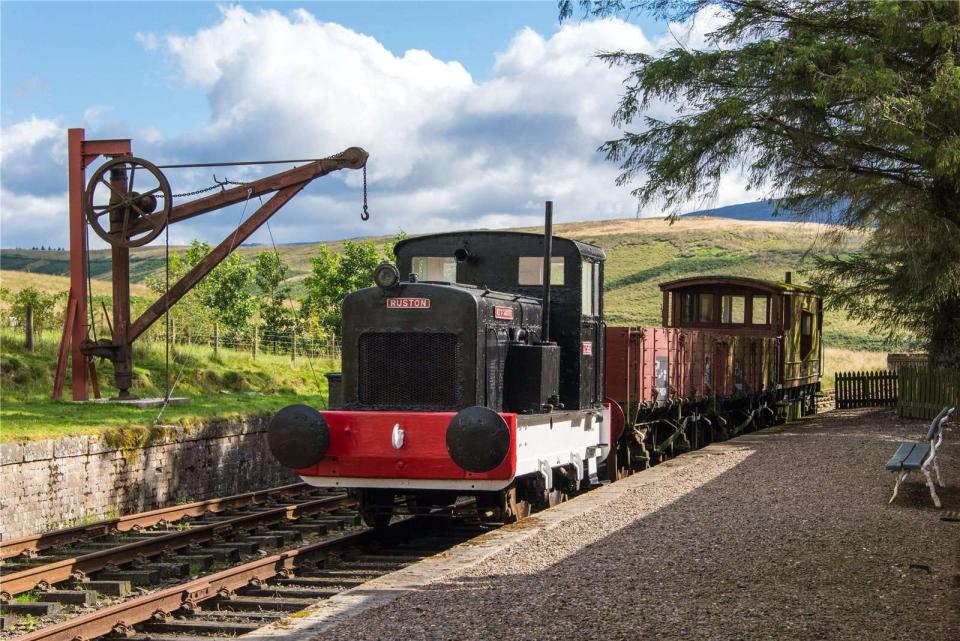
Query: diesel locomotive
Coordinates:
[489,372]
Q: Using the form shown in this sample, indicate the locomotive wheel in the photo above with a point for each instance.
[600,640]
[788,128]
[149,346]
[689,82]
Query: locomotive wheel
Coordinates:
[502,507]
[124,193]
[376,508]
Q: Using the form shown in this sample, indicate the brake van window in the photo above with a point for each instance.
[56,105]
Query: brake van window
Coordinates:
[531,270]
[437,268]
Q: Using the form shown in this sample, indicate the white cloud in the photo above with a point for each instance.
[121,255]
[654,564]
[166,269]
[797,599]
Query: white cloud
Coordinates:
[446,151]
[23,136]
[33,220]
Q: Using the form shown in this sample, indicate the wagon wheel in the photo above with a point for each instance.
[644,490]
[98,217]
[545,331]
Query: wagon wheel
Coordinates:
[122,199]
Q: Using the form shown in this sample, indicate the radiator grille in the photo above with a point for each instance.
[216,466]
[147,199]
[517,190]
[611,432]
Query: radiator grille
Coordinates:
[409,370]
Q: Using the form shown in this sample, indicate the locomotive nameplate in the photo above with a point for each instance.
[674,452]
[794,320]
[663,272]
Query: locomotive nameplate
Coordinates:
[408,303]
[503,313]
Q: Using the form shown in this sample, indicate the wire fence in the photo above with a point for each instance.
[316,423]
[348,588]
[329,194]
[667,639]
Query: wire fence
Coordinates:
[254,343]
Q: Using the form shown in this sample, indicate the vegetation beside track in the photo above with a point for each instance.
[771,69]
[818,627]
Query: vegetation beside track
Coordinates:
[641,254]
[226,385]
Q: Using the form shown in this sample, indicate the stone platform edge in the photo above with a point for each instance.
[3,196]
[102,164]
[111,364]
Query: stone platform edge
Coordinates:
[346,605]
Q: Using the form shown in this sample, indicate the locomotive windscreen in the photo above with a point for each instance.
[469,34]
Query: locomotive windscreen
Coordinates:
[410,370]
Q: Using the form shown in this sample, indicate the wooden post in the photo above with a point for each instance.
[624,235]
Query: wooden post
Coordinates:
[293,347]
[216,339]
[28,328]
[256,335]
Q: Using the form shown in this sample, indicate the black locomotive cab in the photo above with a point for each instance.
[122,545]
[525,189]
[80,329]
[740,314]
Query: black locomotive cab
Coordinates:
[465,327]
[511,263]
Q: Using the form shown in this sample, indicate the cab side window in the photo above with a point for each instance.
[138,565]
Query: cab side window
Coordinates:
[530,270]
[590,288]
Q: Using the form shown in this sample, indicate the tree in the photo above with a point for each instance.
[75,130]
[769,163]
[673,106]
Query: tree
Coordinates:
[44,308]
[223,296]
[227,292]
[842,110]
[190,316]
[270,273]
[333,275]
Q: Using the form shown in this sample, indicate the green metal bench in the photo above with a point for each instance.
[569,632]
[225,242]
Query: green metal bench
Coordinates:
[911,456]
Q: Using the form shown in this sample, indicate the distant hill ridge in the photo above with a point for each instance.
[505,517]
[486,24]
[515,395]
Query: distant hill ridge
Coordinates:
[641,253]
[758,211]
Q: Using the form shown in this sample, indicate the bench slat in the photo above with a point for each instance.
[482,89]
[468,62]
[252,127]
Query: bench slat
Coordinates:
[896,461]
[917,455]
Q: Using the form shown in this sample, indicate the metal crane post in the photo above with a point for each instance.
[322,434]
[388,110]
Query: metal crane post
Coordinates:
[80,153]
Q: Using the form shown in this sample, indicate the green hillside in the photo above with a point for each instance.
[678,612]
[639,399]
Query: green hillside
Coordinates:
[641,254]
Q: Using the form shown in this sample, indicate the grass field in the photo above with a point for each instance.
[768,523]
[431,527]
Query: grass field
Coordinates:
[229,384]
[53,284]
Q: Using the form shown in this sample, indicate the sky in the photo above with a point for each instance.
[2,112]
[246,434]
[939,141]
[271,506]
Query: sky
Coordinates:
[473,113]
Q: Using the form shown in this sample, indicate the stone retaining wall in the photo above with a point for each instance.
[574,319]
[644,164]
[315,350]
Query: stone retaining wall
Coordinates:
[69,481]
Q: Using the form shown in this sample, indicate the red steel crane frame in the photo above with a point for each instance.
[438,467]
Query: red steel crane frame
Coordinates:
[75,342]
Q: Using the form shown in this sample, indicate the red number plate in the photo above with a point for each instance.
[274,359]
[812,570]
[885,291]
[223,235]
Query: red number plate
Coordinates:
[408,303]
[503,313]
[587,348]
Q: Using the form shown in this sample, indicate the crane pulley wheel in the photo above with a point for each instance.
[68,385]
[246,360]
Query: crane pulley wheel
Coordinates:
[128,201]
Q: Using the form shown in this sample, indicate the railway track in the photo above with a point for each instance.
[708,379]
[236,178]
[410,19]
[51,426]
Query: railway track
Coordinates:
[30,545]
[212,568]
[47,578]
[244,597]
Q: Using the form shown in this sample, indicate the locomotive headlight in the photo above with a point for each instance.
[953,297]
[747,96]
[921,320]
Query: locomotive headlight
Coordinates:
[386,276]
[298,436]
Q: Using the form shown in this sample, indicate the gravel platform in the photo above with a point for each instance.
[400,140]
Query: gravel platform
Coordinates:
[782,534]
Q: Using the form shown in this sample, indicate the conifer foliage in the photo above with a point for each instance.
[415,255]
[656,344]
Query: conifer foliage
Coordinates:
[845,111]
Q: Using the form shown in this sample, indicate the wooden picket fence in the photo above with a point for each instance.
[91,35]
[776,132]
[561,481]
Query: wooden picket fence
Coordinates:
[866,389]
[924,390]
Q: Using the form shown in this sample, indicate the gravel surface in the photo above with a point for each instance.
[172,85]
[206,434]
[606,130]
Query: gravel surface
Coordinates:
[785,535]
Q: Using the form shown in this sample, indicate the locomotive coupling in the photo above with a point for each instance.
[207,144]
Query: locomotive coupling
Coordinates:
[478,439]
[298,436]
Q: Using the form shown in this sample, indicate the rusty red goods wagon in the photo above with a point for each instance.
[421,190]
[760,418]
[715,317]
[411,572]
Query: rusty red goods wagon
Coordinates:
[650,364]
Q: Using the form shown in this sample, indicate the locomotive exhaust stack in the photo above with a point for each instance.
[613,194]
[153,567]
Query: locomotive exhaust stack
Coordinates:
[547,267]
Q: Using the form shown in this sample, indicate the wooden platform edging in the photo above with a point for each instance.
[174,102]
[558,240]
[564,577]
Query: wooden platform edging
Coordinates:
[924,390]
[866,389]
